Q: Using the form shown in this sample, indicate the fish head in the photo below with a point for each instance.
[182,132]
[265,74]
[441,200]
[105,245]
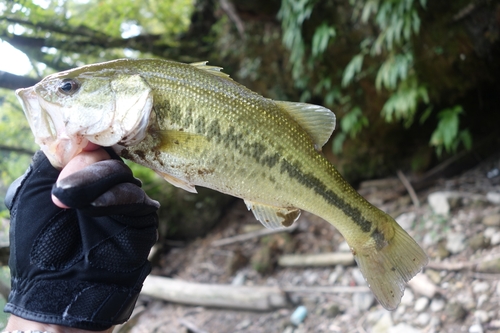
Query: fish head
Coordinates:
[99,104]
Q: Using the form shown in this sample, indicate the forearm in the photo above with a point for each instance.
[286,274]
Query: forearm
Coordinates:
[17,323]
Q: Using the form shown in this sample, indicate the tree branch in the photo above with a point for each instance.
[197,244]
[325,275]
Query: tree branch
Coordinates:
[17,150]
[12,81]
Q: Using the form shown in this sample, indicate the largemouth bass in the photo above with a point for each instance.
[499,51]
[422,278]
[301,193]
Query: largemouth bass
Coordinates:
[195,126]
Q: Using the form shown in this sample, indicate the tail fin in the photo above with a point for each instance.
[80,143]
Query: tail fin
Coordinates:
[389,269]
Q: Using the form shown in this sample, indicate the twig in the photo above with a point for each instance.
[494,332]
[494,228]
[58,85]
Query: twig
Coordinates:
[409,188]
[477,264]
[318,259]
[327,290]
[451,266]
[228,7]
[190,326]
[251,235]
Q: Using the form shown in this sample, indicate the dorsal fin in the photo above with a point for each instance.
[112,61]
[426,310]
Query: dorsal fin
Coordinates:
[316,120]
[215,70]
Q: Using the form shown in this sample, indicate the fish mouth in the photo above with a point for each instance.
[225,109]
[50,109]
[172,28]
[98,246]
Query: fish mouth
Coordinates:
[49,129]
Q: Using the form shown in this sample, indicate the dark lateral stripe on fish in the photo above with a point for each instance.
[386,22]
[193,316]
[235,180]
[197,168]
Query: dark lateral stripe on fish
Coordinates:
[312,182]
[257,151]
[230,138]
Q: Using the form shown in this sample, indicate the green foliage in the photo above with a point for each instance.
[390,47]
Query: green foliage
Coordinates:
[321,38]
[81,32]
[352,68]
[402,104]
[351,124]
[447,134]
[16,142]
[115,17]
[386,59]
[293,13]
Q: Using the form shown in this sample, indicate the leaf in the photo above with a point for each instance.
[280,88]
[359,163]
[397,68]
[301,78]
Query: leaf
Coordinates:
[446,133]
[321,38]
[352,68]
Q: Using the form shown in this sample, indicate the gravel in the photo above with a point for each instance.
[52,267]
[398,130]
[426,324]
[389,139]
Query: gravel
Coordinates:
[458,292]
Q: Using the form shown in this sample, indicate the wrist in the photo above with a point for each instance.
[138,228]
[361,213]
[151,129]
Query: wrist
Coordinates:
[20,324]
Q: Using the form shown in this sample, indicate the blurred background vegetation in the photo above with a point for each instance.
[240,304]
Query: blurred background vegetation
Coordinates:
[412,82]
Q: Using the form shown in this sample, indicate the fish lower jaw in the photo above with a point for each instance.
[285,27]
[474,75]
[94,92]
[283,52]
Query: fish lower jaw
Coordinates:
[61,151]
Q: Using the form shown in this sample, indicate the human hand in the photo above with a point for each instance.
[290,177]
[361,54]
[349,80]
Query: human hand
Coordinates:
[81,267]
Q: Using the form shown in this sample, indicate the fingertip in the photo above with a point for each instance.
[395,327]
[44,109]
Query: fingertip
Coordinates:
[58,202]
[83,160]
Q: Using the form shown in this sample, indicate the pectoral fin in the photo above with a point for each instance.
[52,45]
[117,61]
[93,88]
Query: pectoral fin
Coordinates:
[273,217]
[178,182]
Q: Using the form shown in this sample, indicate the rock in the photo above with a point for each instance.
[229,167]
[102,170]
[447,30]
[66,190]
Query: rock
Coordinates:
[493,197]
[421,304]
[483,298]
[344,247]
[490,266]
[402,327]
[437,305]
[455,311]
[439,203]
[478,242]
[491,220]
[358,277]
[423,319]
[421,284]
[476,328]
[363,301]
[456,242]
[407,298]
[333,311]
[433,275]
[441,250]
[310,276]
[243,324]
[490,231]
[383,324]
[481,316]
[338,271]
[239,279]
[495,239]
[406,220]
[480,287]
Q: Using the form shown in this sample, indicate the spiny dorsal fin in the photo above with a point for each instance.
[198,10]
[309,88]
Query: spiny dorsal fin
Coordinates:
[215,70]
[316,120]
[273,217]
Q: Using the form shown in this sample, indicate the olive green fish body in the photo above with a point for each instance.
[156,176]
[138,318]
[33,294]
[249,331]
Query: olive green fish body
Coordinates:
[204,129]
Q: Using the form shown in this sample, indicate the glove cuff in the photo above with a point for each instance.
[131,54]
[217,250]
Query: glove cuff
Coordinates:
[83,305]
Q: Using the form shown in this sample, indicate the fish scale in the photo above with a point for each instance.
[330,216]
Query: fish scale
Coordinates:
[196,127]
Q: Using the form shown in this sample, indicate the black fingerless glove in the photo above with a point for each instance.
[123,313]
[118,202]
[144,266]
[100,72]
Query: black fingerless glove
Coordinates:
[81,267]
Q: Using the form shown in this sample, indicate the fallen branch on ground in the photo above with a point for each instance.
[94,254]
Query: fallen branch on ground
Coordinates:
[319,259]
[251,235]
[255,298]
[215,295]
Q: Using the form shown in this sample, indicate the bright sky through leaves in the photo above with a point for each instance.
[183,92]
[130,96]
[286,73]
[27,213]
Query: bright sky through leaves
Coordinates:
[12,60]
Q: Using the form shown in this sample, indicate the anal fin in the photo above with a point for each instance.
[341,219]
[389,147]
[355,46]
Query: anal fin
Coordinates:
[177,182]
[273,217]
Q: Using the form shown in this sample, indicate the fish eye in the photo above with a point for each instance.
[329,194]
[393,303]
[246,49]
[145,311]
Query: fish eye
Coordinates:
[69,86]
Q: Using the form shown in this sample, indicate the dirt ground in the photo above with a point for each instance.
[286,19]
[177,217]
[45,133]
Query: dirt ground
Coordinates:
[459,291]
